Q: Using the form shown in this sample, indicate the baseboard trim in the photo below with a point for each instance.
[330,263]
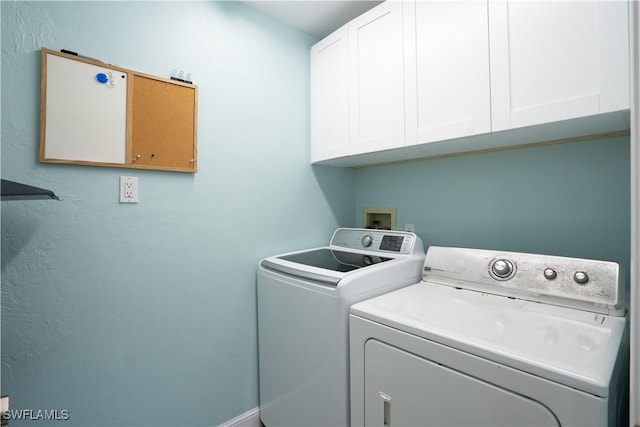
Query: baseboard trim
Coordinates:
[251,418]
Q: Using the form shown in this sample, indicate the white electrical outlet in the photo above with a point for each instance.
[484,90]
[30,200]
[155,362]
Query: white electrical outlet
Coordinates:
[128,189]
[409,227]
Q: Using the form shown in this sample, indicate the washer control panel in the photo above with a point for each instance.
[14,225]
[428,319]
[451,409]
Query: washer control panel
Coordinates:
[387,241]
[573,282]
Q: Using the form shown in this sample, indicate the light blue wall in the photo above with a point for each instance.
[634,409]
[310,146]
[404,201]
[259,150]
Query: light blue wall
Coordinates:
[146,314]
[569,199]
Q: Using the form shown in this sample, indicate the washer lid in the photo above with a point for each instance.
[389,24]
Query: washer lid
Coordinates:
[351,251]
[334,260]
[567,346]
[323,264]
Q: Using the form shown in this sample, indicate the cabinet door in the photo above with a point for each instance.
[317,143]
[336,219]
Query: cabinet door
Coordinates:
[330,97]
[447,85]
[377,76]
[557,60]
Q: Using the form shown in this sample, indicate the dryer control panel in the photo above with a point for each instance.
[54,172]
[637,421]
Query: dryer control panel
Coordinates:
[386,241]
[570,282]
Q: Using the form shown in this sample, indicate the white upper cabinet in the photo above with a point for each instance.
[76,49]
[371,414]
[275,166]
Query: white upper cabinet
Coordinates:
[330,97]
[447,85]
[421,78]
[377,79]
[557,60]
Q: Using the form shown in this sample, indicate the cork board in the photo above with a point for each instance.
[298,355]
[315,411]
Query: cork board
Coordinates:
[163,124]
[83,119]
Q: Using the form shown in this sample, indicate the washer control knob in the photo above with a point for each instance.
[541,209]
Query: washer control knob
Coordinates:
[366,241]
[502,268]
[550,273]
[580,277]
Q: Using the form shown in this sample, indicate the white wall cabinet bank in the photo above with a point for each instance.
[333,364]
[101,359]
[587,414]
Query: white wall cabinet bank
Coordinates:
[419,78]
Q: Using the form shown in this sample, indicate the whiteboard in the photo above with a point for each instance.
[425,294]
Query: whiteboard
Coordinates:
[85,111]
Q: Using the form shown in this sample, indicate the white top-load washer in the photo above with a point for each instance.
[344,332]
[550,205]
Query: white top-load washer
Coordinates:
[493,338]
[303,314]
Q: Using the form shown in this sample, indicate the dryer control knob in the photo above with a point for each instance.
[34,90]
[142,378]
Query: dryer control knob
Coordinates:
[550,273]
[580,277]
[502,268]
[366,241]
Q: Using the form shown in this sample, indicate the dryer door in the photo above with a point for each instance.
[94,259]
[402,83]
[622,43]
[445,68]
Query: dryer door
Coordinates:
[419,392]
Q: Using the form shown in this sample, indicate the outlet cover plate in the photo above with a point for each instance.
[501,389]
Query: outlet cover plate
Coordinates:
[128,189]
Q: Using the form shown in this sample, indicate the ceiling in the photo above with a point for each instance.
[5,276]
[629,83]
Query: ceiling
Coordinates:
[316,17]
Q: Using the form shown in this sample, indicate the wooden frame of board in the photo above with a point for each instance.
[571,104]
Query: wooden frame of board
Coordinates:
[98,114]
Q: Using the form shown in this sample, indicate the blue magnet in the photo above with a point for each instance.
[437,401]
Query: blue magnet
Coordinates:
[102,77]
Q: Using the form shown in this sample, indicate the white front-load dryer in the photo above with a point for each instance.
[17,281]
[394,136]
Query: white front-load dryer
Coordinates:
[493,339]
[303,320]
